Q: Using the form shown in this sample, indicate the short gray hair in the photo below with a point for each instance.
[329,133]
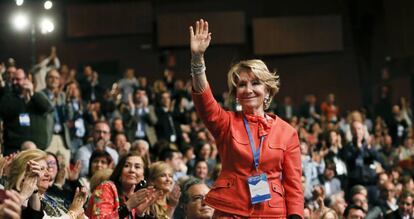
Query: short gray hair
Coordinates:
[138,142]
[185,186]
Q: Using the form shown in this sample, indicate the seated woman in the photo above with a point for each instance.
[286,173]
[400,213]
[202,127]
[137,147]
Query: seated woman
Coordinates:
[161,177]
[30,177]
[201,172]
[99,177]
[117,197]
[99,160]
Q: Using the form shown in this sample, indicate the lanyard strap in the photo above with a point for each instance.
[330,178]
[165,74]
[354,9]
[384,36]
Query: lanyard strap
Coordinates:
[256,153]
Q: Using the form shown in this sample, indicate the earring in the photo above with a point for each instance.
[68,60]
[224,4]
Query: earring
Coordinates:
[238,106]
[266,102]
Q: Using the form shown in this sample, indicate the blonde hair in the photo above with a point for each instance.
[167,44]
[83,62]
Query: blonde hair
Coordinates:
[156,170]
[327,211]
[99,177]
[260,71]
[18,171]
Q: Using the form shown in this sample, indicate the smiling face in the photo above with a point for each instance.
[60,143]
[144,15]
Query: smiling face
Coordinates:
[164,181]
[52,165]
[133,171]
[196,208]
[99,163]
[53,80]
[250,93]
[201,170]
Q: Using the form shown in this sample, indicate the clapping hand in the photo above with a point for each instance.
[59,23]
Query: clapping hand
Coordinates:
[11,208]
[76,208]
[29,184]
[174,196]
[5,164]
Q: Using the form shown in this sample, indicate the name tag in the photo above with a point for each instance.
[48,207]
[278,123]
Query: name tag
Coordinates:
[24,119]
[259,188]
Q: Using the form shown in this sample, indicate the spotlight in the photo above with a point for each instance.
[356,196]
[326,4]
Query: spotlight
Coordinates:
[46,26]
[19,2]
[20,21]
[48,5]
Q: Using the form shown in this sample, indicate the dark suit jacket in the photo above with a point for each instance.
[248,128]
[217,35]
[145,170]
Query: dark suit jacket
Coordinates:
[149,120]
[164,127]
[281,111]
[393,215]
[305,108]
[11,107]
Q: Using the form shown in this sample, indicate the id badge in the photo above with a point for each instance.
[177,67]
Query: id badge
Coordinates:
[24,119]
[259,188]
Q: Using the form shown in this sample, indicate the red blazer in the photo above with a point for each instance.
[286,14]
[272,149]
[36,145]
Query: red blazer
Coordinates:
[279,159]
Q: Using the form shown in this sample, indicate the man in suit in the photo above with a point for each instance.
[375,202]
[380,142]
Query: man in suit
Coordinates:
[405,207]
[286,111]
[24,114]
[58,131]
[141,118]
[310,109]
[167,128]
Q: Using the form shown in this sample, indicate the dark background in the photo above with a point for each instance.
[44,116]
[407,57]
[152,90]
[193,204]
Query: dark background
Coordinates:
[317,46]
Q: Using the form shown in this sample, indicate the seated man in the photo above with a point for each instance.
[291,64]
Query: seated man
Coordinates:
[101,140]
[354,212]
[192,200]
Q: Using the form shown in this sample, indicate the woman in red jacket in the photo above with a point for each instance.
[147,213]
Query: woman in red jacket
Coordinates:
[261,165]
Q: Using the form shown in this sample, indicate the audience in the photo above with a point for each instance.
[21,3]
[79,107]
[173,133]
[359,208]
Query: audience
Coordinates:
[355,164]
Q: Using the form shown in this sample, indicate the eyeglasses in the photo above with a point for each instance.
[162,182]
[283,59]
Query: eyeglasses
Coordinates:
[101,131]
[51,164]
[99,161]
[197,198]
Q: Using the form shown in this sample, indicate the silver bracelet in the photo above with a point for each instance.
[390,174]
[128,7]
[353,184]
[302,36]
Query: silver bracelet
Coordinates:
[197,69]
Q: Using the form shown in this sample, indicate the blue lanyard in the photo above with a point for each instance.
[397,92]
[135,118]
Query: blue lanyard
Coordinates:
[256,153]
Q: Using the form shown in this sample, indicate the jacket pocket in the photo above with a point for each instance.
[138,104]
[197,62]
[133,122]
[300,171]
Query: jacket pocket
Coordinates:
[222,192]
[278,196]
[223,183]
[278,146]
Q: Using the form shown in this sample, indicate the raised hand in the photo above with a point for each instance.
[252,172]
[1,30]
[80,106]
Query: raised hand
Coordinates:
[74,172]
[33,168]
[5,164]
[200,37]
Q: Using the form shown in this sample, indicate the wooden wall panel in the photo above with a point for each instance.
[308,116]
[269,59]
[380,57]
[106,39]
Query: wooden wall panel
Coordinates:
[289,35]
[89,20]
[399,21]
[227,27]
